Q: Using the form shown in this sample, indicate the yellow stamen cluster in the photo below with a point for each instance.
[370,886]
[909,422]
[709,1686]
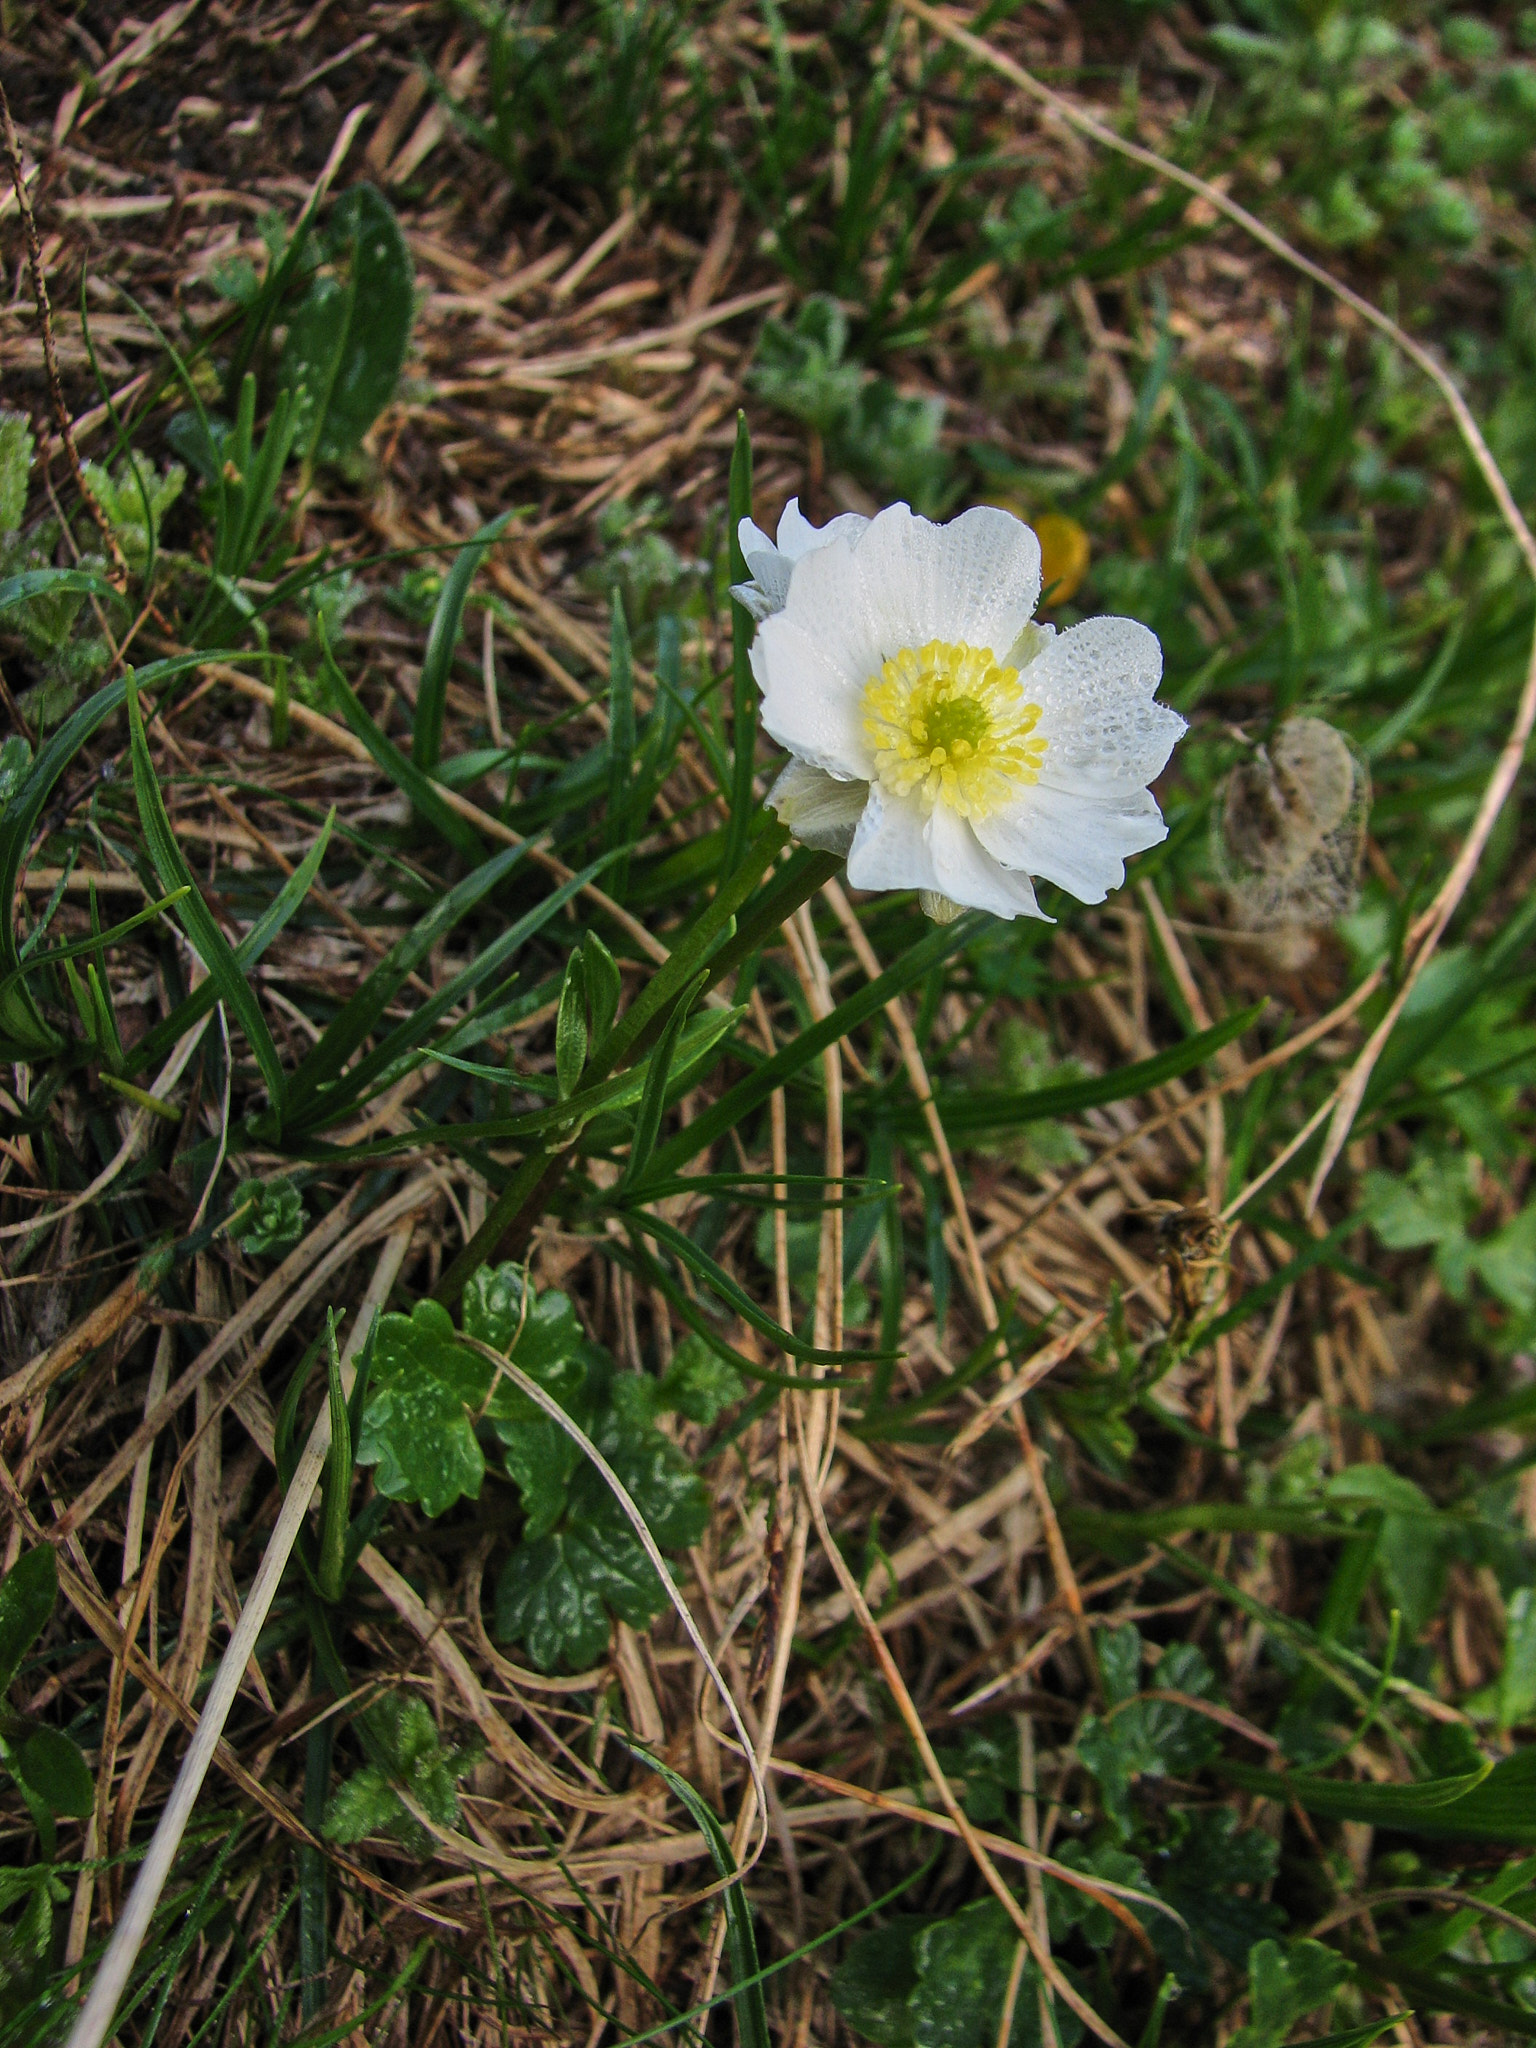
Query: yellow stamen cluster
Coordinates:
[951,725]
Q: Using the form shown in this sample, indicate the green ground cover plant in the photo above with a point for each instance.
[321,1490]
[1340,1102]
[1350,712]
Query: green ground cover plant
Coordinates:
[714,1311]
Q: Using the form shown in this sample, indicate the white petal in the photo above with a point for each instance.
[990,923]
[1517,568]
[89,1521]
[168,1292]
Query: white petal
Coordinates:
[764,596]
[969,875]
[1107,734]
[899,846]
[1078,841]
[890,848]
[770,563]
[819,809]
[811,704]
[975,580]
[798,537]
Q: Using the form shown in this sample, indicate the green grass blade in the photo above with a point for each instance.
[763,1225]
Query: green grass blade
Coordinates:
[154,1045]
[407,1045]
[696,945]
[621,736]
[15,590]
[737,1103]
[193,914]
[22,1024]
[401,769]
[743,686]
[740,1940]
[360,1014]
[442,641]
[653,1100]
[978,1111]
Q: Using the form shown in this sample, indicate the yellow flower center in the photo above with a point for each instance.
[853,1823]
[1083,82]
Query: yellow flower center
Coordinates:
[951,725]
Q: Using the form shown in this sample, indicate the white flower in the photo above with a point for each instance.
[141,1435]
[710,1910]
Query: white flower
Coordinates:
[941,740]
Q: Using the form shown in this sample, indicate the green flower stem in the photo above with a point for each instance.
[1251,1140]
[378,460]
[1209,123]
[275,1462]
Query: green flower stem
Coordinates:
[509,1223]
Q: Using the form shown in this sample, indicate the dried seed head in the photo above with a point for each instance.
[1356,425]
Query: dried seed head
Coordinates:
[1288,830]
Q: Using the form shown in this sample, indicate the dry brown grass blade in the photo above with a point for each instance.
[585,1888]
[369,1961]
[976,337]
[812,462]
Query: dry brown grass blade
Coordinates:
[94,2022]
[279,1300]
[907,1707]
[1430,926]
[50,354]
[907,1806]
[138,1123]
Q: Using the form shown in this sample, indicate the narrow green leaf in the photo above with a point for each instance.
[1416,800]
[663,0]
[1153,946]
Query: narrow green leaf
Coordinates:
[743,686]
[442,640]
[27,1594]
[741,1942]
[338,1473]
[653,1100]
[697,943]
[155,1044]
[726,1289]
[360,1014]
[571,1027]
[348,335]
[409,1044]
[1361,2036]
[22,1024]
[604,986]
[314,1944]
[1443,1806]
[193,914]
[401,770]
[29,583]
[738,1103]
[744,691]
[968,1112]
[621,728]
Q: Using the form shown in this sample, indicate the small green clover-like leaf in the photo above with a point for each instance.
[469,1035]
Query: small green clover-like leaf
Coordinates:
[1120,1663]
[1150,1738]
[16,445]
[50,1765]
[556,1593]
[135,498]
[364,1804]
[963,1965]
[661,1482]
[923,1982]
[274,1220]
[419,1765]
[1415,1546]
[699,1383]
[1506,1262]
[1202,1872]
[1070,1908]
[544,1602]
[986,1761]
[545,1338]
[1431,1204]
[419,1421]
[1284,1985]
[873,1982]
[234,277]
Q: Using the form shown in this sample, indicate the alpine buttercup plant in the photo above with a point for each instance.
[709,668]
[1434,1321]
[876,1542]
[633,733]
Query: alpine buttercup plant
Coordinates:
[940,737]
